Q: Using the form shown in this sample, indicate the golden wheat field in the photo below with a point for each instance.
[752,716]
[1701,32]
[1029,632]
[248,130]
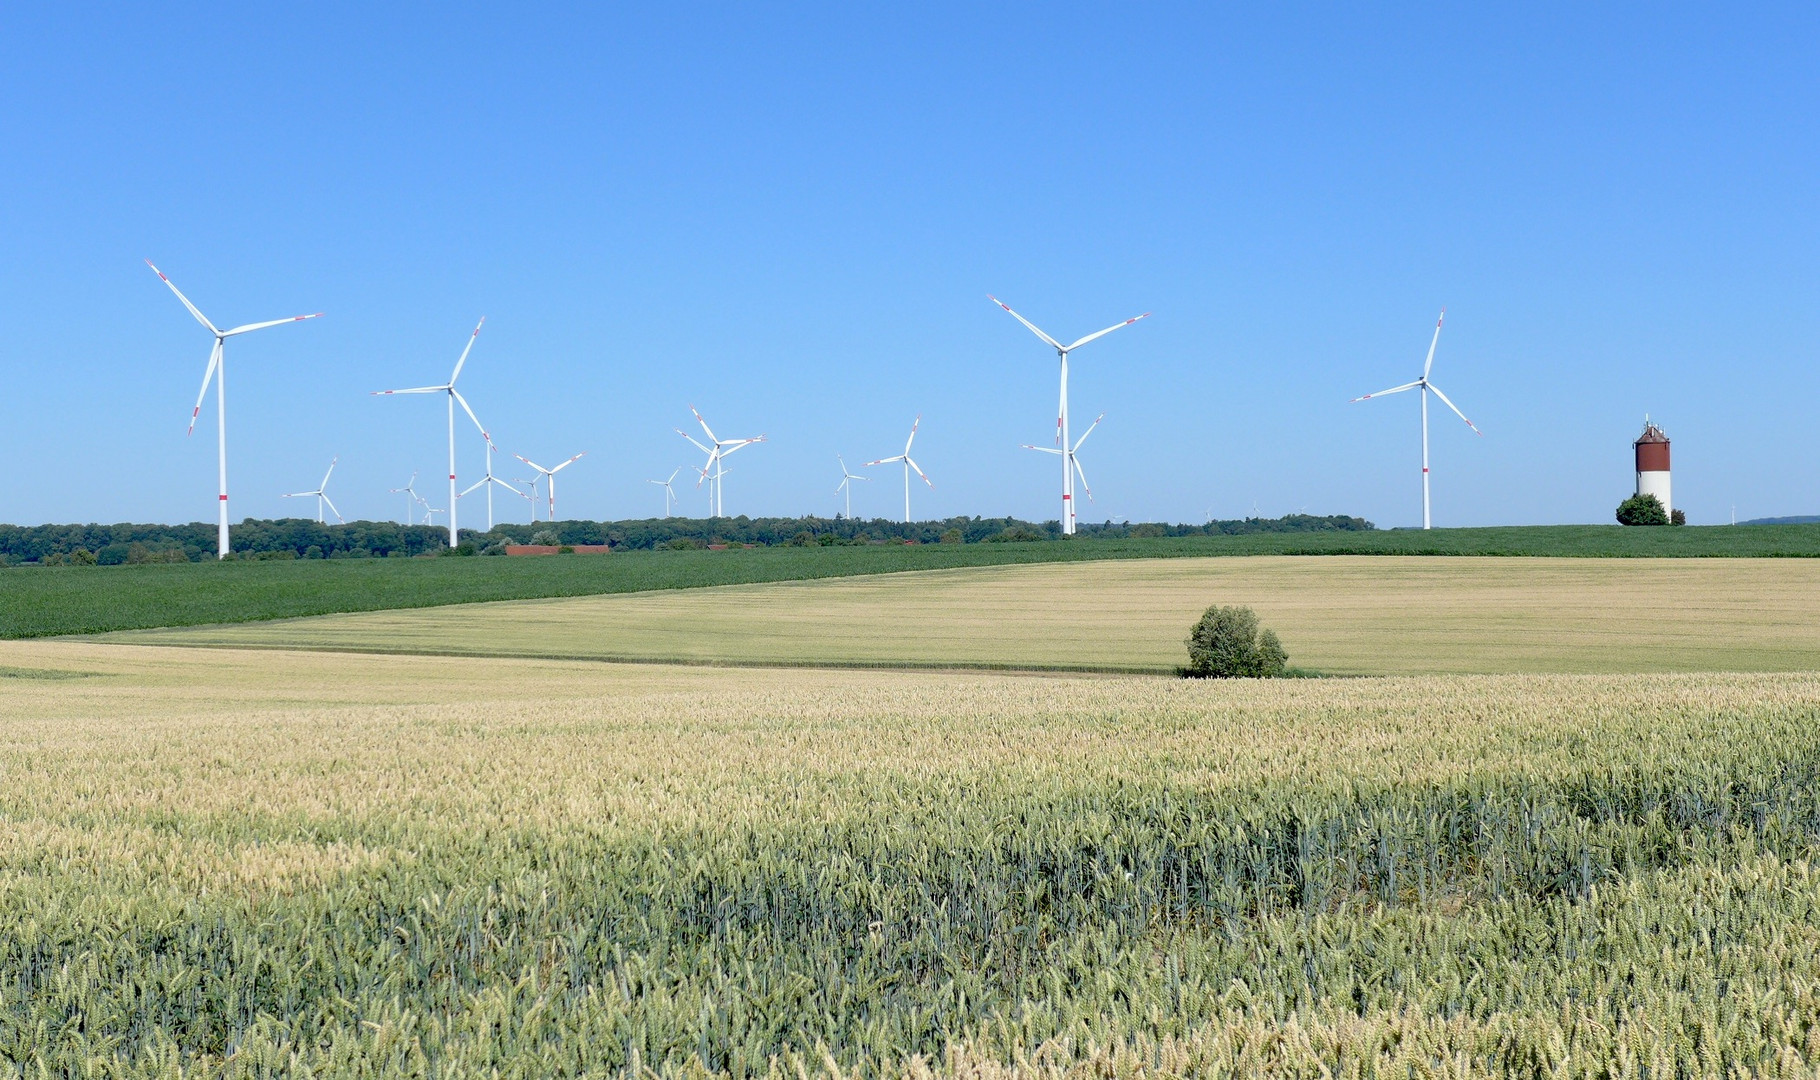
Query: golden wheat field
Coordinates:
[265,863]
[1336,615]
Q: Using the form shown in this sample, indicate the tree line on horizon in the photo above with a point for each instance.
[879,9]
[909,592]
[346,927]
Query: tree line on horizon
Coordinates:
[302,538]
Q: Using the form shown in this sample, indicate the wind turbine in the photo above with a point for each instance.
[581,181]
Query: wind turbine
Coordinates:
[489,480]
[454,396]
[846,481]
[530,495]
[720,449]
[217,370]
[551,474]
[1061,419]
[669,492]
[1425,386]
[1069,454]
[320,493]
[410,496]
[908,465]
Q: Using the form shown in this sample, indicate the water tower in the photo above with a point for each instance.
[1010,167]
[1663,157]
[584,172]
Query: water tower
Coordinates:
[1652,465]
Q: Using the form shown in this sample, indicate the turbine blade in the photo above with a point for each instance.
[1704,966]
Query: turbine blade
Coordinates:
[207,374]
[476,484]
[569,462]
[250,327]
[464,353]
[412,390]
[919,470]
[704,426]
[1040,449]
[331,472]
[1082,473]
[331,503]
[186,300]
[1089,431]
[1455,409]
[1054,344]
[692,441]
[465,408]
[299,494]
[531,463]
[1430,362]
[1392,390]
[1106,331]
[913,426]
[883,461]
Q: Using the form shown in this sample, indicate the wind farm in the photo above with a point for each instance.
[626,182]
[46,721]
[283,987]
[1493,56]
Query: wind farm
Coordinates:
[1193,747]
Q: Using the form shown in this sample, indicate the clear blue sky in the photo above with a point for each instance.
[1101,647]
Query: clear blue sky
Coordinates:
[792,219]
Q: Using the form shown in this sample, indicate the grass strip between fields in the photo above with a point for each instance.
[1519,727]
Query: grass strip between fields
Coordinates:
[53,601]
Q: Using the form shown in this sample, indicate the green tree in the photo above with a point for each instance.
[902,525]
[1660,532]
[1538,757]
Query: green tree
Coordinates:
[1642,510]
[1226,644]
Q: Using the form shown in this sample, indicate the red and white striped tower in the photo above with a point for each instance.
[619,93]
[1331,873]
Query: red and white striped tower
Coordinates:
[1652,465]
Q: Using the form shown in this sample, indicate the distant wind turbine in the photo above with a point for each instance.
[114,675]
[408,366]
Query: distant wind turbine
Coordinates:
[908,465]
[453,397]
[846,484]
[720,449]
[320,493]
[1425,386]
[550,475]
[489,481]
[1061,419]
[410,499]
[531,495]
[669,492]
[217,370]
[1070,454]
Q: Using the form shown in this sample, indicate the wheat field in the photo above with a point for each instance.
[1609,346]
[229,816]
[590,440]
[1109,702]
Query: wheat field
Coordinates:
[1336,615]
[240,863]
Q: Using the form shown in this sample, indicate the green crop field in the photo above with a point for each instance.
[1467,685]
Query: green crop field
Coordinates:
[1337,615]
[44,601]
[241,864]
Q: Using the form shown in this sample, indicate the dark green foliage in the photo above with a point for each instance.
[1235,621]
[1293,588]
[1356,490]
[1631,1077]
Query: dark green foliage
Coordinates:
[1642,510]
[1679,517]
[35,602]
[1226,644]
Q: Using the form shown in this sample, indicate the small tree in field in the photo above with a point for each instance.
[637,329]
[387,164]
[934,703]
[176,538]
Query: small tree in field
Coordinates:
[1226,644]
[1642,510]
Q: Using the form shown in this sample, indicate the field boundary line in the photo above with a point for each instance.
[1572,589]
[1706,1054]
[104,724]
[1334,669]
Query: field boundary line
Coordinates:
[662,661]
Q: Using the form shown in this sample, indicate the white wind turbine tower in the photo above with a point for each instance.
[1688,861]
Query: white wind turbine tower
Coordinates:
[720,449]
[321,495]
[409,491]
[908,465]
[217,370]
[1070,454]
[550,475]
[669,492]
[454,396]
[847,478]
[1061,419]
[1425,386]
